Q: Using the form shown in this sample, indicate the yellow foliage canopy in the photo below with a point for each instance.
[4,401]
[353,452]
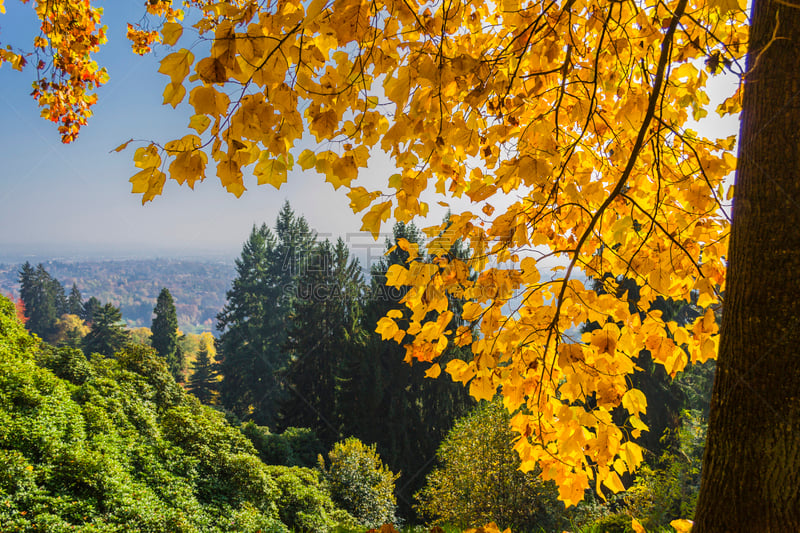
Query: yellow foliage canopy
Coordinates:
[576,109]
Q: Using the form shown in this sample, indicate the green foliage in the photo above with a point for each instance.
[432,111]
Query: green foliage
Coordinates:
[304,502]
[360,482]
[293,447]
[165,332]
[478,479]
[253,323]
[107,335]
[114,444]
[669,491]
[67,363]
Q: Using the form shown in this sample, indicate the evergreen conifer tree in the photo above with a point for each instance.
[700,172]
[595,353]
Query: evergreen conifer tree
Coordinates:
[165,332]
[44,300]
[90,308]
[249,344]
[74,301]
[203,382]
[107,335]
[324,332]
[254,321]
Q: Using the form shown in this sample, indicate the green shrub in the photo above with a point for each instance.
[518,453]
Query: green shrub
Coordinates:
[613,523]
[478,479]
[360,482]
[669,491]
[293,447]
[304,503]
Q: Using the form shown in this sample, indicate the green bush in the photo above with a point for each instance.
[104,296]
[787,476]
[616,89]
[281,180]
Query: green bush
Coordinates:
[293,447]
[613,523]
[304,503]
[360,483]
[478,479]
[669,491]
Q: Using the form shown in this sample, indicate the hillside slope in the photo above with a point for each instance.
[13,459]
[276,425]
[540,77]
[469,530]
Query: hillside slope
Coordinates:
[115,444]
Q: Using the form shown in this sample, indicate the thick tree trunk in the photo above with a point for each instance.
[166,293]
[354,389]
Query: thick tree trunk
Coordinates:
[751,468]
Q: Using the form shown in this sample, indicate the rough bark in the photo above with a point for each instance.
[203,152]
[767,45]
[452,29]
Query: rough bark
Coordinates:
[751,467]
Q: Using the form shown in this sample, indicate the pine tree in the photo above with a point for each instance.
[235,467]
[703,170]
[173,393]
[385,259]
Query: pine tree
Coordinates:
[249,344]
[254,321]
[27,289]
[107,335]
[44,300]
[392,403]
[203,381]
[165,332]
[90,308]
[325,330]
[75,302]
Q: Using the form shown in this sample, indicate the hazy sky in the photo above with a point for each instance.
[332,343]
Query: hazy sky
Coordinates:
[72,198]
[77,196]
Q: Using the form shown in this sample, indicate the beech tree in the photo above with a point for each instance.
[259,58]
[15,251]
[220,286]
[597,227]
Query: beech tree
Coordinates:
[574,117]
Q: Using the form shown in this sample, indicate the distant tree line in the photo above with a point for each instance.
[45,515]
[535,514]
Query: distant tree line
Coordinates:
[91,326]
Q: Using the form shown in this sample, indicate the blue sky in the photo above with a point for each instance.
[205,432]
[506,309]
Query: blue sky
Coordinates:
[77,197]
[68,200]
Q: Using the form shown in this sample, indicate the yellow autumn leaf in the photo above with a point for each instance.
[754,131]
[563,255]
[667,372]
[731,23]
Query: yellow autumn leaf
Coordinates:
[199,123]
[482,388]
[387,328]
[307,159]
[148,182]
[372,220]
[171,32]
[637,526]
[530,271]
[360,198]
[344,171]
[635,402]
[397,276]
[147,157]
[726,6]
[123,146]
[434,371]
[271,170]
[174,93]
[659,279]
[176,65]
[613,482]
[471,311]
[682,525]
[323,124]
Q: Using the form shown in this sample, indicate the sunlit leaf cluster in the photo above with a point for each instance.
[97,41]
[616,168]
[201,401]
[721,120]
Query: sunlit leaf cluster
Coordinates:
[67,75]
